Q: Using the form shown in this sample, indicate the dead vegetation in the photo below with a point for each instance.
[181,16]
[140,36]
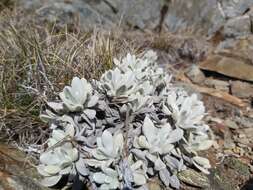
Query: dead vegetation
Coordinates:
[36,61]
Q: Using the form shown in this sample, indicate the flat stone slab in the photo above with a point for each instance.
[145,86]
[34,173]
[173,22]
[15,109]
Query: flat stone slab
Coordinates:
[15,171]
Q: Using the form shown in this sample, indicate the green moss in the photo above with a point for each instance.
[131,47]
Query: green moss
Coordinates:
[238,166]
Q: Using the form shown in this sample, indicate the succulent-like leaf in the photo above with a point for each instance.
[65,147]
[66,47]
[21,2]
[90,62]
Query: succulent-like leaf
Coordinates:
[81,167]
[108,179]
[51,181]
[76,95]
[159,165]
[108,146]
[174,182]
[202,164]
[165,177]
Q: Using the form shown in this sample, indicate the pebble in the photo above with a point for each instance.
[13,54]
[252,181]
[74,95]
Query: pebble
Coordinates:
[242,89]
[231,124]
[217,84]
[195,74]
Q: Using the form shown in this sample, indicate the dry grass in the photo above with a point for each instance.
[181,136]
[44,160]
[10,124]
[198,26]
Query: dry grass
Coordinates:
[36,61]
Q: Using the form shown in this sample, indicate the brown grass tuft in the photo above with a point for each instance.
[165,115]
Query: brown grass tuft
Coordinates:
[37,61]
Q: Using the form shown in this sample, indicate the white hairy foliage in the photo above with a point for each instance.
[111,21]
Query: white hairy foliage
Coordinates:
[129,126]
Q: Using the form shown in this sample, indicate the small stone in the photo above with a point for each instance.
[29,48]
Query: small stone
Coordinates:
[154,185]
[195,74]
[245,122]
[238,26]
[231,124]
[242,145]
[229,144]
[242,89]
[228,152]
[249,133]
[217,84]
[241,135]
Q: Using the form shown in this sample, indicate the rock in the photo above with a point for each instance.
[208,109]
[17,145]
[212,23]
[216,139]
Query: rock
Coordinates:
[242,139]
[67,13]
[228,141]
[100,13]
[194,178]
[202,16]
[232,66]
[242,142]
[249,132]
[154,185]
[86,13]
[234,8]
[245,122]
[239,48]
[15,172]
[217,84]
[231,124]
[248,138]
[242,89]
[195,74]
[141,13]
[238,26]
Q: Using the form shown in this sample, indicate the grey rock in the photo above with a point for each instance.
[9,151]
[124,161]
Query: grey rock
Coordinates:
[242,89]
[245,122]
[238,26]
[202,16]
[231,124]
[88,13]
[234,8]
[105,13]
[195,74]
[137,13]
[217,84]
[16,173]
[142,13]
[228,141]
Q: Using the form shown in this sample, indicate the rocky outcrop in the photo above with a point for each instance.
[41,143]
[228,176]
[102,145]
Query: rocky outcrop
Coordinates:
[203,16]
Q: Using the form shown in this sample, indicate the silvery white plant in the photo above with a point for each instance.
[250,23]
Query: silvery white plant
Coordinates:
[129,127]
[108,149]
[77,95]
[107,178]
[116,83]
[138,169]
[158,139]
[57,162]
[188,112]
